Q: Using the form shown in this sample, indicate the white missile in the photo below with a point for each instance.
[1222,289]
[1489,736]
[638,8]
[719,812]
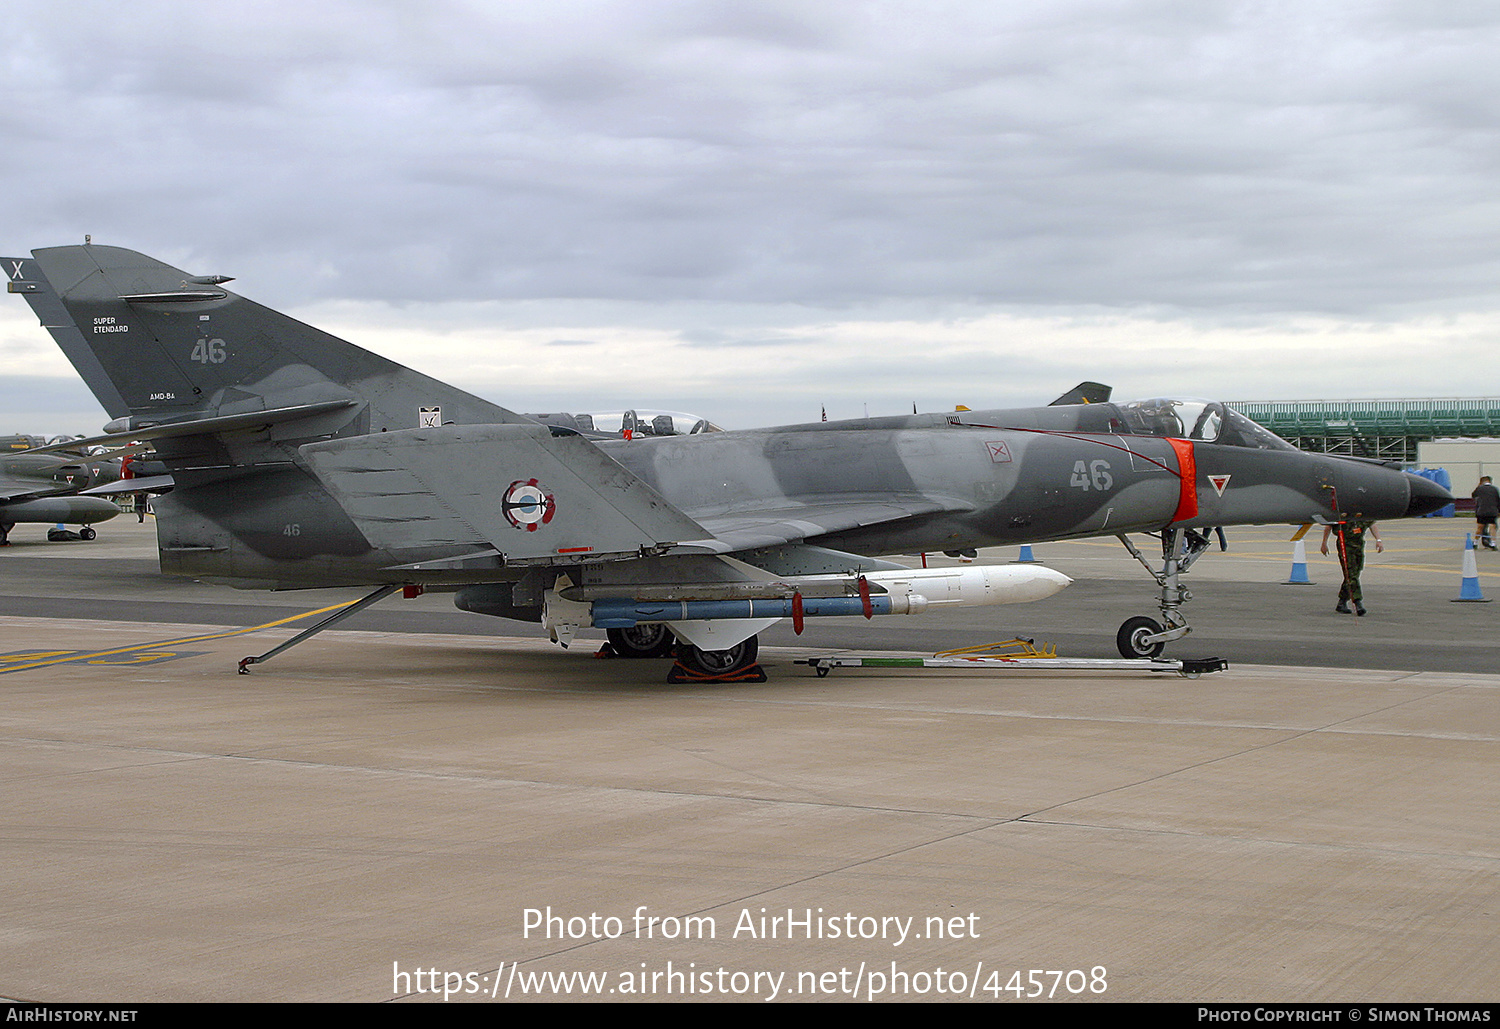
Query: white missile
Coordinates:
[905,592]
[973,585]
[724,623]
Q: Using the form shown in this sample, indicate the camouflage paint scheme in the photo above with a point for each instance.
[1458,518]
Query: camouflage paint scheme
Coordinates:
[40,484]
[301,460]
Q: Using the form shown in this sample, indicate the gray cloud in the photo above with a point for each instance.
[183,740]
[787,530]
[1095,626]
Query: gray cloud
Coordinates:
[1225,163]
[47,406]
[1331,157]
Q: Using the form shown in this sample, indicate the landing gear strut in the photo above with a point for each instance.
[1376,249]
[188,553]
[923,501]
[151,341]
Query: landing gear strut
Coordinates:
[1146,637]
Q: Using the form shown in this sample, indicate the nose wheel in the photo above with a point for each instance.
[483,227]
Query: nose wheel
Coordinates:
[1135,638]
[1146,637]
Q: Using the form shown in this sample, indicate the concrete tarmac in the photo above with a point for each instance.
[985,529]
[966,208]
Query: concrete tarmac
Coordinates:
[381,814]
[1240,611]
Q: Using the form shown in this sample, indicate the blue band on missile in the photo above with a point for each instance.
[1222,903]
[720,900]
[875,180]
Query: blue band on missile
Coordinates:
[624,613]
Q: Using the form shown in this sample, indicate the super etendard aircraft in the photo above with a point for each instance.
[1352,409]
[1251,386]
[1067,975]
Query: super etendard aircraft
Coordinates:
[300,460]
[40,482]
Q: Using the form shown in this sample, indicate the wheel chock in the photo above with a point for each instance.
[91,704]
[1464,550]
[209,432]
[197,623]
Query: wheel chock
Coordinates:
[681,673]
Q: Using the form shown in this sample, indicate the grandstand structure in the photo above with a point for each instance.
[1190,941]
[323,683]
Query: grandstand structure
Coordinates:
[1386,429]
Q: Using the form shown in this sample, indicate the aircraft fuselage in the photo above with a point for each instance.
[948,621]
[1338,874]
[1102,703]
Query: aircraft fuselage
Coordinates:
[993,486]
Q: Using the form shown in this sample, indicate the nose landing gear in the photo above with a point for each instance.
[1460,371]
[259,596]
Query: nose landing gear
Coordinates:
[1146,637]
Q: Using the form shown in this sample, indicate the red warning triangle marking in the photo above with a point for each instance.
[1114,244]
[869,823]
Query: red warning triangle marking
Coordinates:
[1219,482]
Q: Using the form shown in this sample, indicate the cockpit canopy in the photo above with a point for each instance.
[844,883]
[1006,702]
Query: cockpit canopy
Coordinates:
[629,424]
[1206,421]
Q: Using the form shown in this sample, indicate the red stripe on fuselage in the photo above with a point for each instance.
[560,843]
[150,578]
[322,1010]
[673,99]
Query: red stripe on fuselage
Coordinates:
[1187,471]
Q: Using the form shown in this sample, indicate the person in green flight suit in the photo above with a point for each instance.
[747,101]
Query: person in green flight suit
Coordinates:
[1351,546]
[1486,510]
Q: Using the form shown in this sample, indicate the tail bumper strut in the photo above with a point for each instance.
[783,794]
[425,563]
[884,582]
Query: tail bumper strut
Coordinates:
[337,616]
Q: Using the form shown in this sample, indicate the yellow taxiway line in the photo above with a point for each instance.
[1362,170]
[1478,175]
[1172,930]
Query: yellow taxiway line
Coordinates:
[62,657]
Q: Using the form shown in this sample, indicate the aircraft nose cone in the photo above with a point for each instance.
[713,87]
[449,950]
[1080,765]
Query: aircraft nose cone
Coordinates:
[1426,497]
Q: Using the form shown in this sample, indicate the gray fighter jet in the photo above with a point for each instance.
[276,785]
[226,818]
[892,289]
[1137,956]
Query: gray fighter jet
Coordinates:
[300,460]
[40,482]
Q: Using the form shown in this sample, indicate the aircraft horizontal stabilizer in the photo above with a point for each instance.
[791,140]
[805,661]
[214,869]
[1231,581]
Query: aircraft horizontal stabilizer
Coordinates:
[125,487]
[532,496]
[244,421]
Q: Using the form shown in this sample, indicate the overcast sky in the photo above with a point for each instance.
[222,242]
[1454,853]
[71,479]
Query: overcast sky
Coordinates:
[751,210]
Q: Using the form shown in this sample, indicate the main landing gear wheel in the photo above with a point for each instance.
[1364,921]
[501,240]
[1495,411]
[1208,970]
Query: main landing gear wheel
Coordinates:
[1131,639]
[649,639]
[719,662]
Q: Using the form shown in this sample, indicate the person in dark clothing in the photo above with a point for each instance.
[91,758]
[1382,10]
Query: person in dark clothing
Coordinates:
[1351,546]
[1486,510]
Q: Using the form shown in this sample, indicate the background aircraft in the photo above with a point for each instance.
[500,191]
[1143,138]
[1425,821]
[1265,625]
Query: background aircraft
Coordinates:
[39,482]
[300,460]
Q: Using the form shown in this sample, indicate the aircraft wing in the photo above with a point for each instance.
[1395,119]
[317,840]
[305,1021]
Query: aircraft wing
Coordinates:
[12,489]
[492,487]
[495,486]
[808,518]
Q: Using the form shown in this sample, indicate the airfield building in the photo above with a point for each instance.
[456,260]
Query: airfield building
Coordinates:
[1459,434]
[1385,429]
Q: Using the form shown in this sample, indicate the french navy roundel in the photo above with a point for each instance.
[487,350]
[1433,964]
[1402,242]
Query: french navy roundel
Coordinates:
[528,505]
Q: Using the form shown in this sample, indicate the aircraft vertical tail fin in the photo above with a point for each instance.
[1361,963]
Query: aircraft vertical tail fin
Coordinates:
[157,345]
[24,277]
[1084,393]
[228,391]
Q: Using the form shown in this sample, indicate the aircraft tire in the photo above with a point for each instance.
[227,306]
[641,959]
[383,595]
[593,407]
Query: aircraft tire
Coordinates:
[719,662]
[649,639]
[1131,638]
[87,532]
